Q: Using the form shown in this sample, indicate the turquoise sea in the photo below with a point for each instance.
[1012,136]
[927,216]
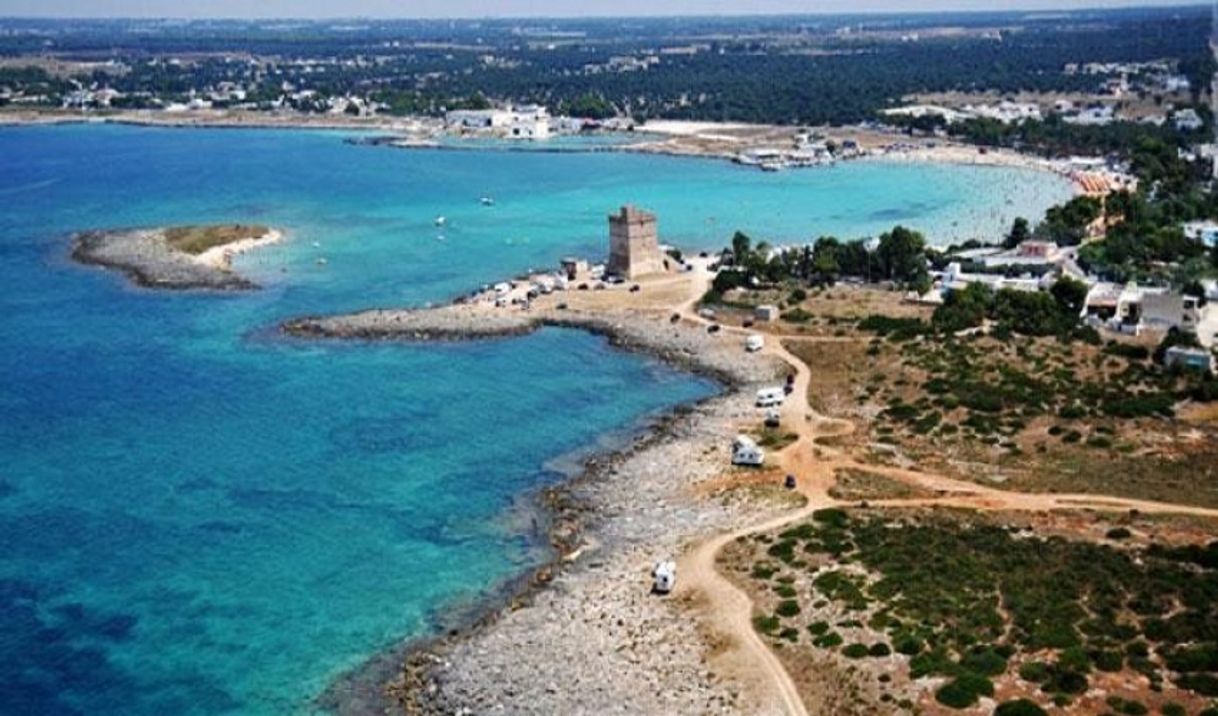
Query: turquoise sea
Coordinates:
[199,516]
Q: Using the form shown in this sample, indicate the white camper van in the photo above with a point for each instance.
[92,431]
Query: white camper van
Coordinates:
[769,397]
[754,343]
[665,576]
[746,452]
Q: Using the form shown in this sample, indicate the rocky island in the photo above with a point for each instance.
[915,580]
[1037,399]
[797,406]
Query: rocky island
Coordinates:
[184,257]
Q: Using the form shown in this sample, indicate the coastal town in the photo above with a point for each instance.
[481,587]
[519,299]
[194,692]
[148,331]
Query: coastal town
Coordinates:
[926,469]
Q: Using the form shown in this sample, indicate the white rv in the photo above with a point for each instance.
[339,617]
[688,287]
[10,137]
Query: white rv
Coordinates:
[665,576]
[746,452]
[754,343]
[769,397]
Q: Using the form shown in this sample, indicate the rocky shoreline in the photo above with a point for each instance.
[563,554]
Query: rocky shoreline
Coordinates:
[684,346]
[583,634]
[148,259]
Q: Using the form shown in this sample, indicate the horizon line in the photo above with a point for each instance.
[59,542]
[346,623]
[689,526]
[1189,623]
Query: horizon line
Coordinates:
[1117,5]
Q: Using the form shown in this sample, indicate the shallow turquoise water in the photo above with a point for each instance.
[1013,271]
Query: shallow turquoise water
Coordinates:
[200,517]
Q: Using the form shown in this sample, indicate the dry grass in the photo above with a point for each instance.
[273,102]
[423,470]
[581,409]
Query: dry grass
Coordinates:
[854,485]
[839,370]
[197,239]
[1178,473]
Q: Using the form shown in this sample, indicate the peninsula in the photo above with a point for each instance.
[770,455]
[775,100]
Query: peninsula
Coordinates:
[585,634]
[185,257]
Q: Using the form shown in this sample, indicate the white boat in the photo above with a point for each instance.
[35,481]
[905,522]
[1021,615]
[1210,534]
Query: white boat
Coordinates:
[487,201]
[441,220]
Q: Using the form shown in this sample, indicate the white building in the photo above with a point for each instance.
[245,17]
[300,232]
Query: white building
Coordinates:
[477,118]
[525,122]
[1187,120]
[1092,116]
[1129,308]
[1204,231]
[1006,112]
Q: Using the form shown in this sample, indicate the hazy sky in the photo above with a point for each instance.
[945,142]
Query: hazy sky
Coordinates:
[513,8]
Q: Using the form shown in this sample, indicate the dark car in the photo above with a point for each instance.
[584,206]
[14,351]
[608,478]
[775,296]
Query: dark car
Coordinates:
[789,483]
[713,328]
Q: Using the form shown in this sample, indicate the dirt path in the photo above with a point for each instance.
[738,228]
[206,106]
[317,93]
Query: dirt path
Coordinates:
[727,609]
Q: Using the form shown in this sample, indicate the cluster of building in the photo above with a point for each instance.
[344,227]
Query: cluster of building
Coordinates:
[807,150]
[623,63]
[1123,308]
[528,121]
[1121,78]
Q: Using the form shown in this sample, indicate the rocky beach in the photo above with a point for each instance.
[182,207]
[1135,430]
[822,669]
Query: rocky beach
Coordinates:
[149,258]
[585,634]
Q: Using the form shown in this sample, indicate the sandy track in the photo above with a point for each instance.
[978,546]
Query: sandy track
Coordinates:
[729,610]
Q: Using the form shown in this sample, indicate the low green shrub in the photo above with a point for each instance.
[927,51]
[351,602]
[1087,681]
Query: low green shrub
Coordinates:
[855,651]
[766,625]
[964,691]
[1019,707]
[879,649]
[787,608]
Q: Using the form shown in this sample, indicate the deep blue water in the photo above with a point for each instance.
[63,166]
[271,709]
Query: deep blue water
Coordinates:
[198,516]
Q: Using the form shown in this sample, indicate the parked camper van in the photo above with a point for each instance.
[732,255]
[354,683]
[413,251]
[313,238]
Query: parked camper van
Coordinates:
[769,397]
[754,343]
[665,576]
[746,452]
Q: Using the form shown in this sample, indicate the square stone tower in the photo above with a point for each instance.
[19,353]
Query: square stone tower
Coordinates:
[634,246]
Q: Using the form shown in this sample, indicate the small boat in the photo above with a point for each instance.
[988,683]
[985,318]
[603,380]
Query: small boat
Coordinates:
[441,220]
[487,201]
[322,261]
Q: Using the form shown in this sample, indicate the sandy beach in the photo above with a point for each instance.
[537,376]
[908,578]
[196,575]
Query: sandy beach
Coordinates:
[221,257]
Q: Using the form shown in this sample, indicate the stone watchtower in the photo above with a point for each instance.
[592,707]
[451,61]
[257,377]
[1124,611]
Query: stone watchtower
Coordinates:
[634,248]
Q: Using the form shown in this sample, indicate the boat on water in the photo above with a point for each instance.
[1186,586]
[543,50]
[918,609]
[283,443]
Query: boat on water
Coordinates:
[487,201]
[441,220]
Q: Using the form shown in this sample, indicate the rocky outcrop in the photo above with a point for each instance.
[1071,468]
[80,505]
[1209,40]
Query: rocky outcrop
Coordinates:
[148,259]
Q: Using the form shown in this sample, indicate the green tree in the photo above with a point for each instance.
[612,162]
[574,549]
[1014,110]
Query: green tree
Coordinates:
[1067,224]
[741,248]
[825,265]
[963,309]
[1020,232]
[902,258]
[1070,295]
